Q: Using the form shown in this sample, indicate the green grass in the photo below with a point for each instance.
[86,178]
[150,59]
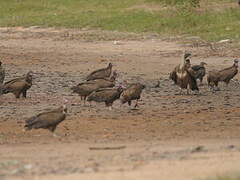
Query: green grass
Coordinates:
[226,178]
[118,15]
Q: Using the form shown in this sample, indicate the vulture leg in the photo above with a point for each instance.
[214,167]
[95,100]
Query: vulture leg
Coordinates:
[181,91]
[188,90]
[84,101]
[52,129]
[24,93]
[136,105]
[109,104]
[201,79]
[17,94]
[129,103]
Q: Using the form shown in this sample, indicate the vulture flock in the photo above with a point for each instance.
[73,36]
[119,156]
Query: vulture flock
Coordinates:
[100,86]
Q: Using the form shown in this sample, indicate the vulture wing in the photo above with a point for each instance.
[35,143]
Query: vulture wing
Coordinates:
[100,73]
[132,93]
[14,85]
[196,67]
[102,95]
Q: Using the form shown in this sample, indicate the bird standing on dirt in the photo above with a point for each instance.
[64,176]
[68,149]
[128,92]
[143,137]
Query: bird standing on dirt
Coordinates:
[184,77]
[107,95]
[133,92]
[105,82]
[225,75]
[86,88]
[199,71]
[173,74]
[47,120]
[100,73]
[18,86]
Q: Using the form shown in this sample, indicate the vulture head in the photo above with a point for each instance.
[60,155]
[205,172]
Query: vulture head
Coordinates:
[29,76]
[187,55]
[235,62]
[110,65]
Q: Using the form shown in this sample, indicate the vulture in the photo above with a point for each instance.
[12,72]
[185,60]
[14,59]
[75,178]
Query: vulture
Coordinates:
[86,88]
[47,120]
[105,82]
[18,86]
[100,73]
[133,92]
[184,76]
[173,74]
[107,95]
[199,71]
[225,75]
[2,73]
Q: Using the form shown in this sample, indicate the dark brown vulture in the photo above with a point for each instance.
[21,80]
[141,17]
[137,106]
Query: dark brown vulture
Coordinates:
[47,120]
[2,73]
[225,75]
[106,82]
[185,76]
[199,71]
[86,88]
[18,86]
[106,95]
[133,92]
[100,73]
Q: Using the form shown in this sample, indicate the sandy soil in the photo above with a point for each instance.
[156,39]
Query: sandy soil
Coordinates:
[169,137]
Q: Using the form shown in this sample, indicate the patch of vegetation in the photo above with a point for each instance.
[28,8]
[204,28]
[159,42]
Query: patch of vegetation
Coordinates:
[173,17]
[227,178]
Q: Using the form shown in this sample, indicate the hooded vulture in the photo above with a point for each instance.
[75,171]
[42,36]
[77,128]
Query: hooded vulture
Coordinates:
[133,92]
[18,86]
[47,120]
[86,88]
[225,75]
[184,77]
[199,71]
[100,73]
[108,95]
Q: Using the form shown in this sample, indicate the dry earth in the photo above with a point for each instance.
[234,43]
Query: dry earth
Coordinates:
[169,137]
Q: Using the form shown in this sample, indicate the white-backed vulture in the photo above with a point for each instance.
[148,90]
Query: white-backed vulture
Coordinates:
[185,76]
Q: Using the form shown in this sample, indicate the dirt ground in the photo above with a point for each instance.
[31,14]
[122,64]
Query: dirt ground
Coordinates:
[171,136]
